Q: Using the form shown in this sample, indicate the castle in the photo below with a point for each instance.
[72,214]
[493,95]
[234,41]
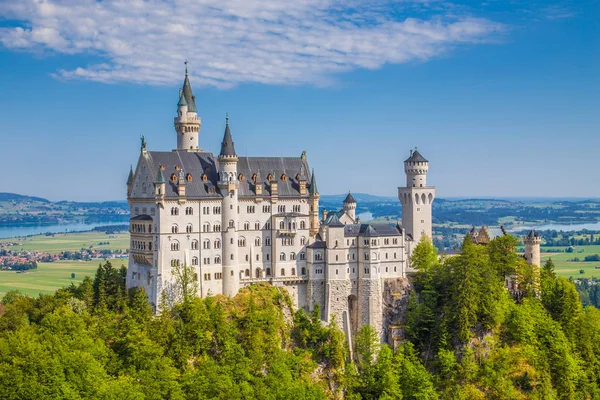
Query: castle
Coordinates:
[240,220]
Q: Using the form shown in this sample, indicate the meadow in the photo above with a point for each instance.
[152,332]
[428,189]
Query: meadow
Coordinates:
[49,277]
[71,242]
[567,268]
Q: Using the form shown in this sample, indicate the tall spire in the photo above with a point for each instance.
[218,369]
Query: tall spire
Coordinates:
[187,92]
[160,178]
[182,101]
[227,146]
[130,177]
[313,184]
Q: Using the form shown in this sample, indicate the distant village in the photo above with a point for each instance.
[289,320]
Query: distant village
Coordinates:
[24,260]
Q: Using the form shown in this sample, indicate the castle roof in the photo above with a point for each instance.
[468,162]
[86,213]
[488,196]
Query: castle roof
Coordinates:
[182,101]
[333,221]
[227,145]
[371,229]
[532,234]
[415,156]
[198,163]
[160,178]
[349,198]
[319,244]
[487,233]
[143,217]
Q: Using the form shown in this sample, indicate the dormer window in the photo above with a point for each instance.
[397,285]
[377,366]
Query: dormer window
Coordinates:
[173,177]
[284,177]
[254,178]
[188,177]
[177,168]
[204,178]
[241,177]
[270,177]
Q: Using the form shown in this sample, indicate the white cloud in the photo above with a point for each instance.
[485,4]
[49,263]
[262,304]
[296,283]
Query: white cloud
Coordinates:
[236,41]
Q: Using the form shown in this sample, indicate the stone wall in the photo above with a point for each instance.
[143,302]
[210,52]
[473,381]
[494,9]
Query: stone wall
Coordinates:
[395,304]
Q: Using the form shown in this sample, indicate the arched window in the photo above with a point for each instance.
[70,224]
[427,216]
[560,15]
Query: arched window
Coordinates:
[194,245]
[175,246]
[174,211]
[247,273]
[282,272]
[257,241]
[194,260]
[318,256]
[281,256]
[257,226]
[189,228]
[292,256]
[303,271]
[242,242]
[257,272]
[303,256]
[231,223]
[246,226]
[174,229]
[217,260]
[302,225]
[267,241]
[217,244]
[282,225]
[268,271]
[293,271]
[217,227]
[206,227]
[206,244]
[302,240]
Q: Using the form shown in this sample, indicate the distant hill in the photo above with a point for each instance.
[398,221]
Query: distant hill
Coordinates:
[21,198]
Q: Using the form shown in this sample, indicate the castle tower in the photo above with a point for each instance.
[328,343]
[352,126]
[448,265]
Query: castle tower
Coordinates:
[532,248]
[228,184]
[187,122]
[314,206]
[350,206]
[416,198]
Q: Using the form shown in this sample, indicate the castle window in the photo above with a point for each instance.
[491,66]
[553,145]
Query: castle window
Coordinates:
[386,269]
[296,208]
[336,259]
[257,273]
[257,226]
[284,177]
[303,256]
[194,260]
[270,177]
[258,257]
[254,177]
[241,177]
[204,178]
[242,242]
[217,244]
[152,211]
[250,209]
[394,255]
[175,246]
[217,210]
[318,257]
[189,228]
[206,227]
[247,273]
[267,256]
[188,177]
[217,228]
[231,256]
[194,245]
[247,258]
[174,211]
[268,272]
[395,241]
[302,225]
[231,223]
[217,260]
[303,271]
[257,241]
[174,229]
[173,178]
[386,256]
[303,240]
[366,256]
[292,256]
[293,271]
[206,244]
[282,257]
[246,226]
[282,225]
[282,272]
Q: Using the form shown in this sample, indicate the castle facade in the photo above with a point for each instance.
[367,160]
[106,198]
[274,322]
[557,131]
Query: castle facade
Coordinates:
[240,220]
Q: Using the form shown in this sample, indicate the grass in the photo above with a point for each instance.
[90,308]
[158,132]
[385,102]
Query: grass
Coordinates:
[71,242]
[566,268]
[50,276]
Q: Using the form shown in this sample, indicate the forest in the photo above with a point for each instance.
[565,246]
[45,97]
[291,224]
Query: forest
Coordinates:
[466,337]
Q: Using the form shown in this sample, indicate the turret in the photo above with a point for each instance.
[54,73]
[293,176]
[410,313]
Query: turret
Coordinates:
[181,185]
[159,187]
[416,167]
[187,122]
[314,196]
[350,206]
[228,184]
[130,181]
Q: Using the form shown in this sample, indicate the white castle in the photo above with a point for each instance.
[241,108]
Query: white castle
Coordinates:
[241,220]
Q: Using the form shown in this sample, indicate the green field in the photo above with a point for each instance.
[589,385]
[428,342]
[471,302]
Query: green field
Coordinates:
[50,276]
[72,242]
[569,268]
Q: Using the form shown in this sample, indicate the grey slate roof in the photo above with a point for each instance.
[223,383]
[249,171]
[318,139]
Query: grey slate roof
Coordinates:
[532,234]
[182,101]
[349,198]
[262,167]
[333,221]
[197,163]
[372,229]
[415,156]
[319,244]
[143,217]
[227,145]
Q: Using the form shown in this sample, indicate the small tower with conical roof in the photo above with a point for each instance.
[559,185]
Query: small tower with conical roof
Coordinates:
[313,200]
[130,181]
[532,244]
[187,122]
[160,187]
[416,198]
[228,184]
[350,206]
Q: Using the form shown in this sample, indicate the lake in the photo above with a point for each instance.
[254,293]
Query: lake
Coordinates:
[592,226]
[15,231]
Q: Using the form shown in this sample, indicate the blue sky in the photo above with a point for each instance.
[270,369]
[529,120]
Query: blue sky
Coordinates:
[502,97]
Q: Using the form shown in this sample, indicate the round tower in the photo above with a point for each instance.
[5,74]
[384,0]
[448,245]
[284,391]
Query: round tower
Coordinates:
[350,206]
[228,184]
[532,244]
[416,198]
[187,122]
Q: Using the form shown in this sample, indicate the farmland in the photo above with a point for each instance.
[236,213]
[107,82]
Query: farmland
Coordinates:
[49,277]
[60,242]
[567,268]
